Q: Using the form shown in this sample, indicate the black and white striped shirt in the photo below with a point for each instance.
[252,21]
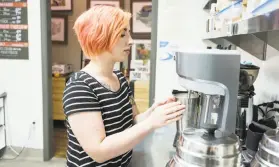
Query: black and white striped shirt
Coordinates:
[83,93]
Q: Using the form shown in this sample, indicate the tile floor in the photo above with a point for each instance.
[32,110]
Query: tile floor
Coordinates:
[22,163]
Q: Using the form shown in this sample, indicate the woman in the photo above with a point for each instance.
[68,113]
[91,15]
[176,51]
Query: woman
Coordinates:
[102,118]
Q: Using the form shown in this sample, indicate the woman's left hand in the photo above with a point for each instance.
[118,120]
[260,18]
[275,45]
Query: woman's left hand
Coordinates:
[162,102]
[146,114]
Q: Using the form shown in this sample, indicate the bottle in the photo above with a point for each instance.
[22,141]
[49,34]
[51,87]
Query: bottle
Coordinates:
[212,18]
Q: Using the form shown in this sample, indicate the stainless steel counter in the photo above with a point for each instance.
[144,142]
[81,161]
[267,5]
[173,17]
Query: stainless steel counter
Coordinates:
[156,150]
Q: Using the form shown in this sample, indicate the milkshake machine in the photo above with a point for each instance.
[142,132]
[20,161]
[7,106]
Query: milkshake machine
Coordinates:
[208,140]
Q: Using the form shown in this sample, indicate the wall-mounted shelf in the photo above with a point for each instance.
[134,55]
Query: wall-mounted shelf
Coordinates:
[252,35]
[3,143]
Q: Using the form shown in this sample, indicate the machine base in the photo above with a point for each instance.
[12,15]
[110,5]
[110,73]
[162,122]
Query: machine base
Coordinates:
[177,162]
[174,162]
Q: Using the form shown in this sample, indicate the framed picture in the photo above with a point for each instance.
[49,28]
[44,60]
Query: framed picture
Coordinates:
[141,51]
[140,60]
[61,5]
[59,27]
[142,19]
[116,3]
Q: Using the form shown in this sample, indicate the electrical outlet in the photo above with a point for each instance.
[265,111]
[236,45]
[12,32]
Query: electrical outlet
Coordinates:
[33,125]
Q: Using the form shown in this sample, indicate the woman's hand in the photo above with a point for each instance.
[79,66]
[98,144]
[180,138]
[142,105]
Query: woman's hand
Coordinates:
[146,114]
[165,114]
[159,103]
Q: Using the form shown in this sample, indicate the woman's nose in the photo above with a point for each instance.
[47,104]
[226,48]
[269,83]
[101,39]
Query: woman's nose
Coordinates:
[130,42]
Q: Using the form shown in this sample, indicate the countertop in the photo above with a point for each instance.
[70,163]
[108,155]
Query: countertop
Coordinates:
[156,149]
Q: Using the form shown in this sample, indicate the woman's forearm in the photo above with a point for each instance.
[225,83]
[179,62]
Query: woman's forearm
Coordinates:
[120,143]
[142,116]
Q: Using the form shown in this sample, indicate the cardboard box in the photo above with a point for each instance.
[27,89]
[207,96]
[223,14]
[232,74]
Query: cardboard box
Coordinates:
[62,68]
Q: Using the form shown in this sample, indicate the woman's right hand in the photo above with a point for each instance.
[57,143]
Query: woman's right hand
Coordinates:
[165,114]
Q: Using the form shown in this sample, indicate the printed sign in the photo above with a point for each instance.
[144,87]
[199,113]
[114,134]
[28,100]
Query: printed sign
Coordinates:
[142,69]
[13,29]
[137,75]
[165,51]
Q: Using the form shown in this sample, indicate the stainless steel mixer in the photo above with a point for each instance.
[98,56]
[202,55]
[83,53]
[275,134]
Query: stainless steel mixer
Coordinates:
[212,77]
[268,153]
[191,115]
[200,149]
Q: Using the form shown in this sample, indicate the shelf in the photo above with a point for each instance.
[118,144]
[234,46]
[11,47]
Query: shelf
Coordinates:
[215,35]
[258,24]
[258,31]
[2,121]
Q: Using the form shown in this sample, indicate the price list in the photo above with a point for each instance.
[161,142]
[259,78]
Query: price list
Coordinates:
[13,29]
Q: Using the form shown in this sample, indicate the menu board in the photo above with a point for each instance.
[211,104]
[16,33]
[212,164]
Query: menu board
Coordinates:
[13,29]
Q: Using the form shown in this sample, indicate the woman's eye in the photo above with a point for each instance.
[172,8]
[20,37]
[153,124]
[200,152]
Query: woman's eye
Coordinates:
[122,35]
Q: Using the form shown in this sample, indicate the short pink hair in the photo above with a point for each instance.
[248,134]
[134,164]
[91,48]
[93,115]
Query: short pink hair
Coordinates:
[99,28]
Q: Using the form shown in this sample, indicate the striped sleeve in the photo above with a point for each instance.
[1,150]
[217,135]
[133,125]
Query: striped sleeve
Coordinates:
[78,97]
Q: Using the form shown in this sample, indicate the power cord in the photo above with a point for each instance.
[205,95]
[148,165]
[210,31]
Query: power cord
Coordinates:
[262,111]
[13,150]
[274,109]
[4,96]
[267,106]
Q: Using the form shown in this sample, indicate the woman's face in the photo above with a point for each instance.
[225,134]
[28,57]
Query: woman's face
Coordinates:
[122,48]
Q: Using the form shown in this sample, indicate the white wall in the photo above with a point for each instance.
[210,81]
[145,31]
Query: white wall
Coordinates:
[181,22]
[22,80]
[266,85]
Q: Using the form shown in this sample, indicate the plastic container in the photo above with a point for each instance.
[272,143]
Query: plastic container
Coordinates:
[265,7]
[231,13]
[222,4]
[211,21]
[251,5]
